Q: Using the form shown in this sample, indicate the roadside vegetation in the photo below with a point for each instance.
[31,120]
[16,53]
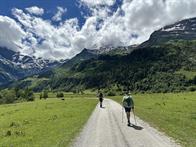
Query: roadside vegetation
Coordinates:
[172,113]
[8,96]
[47,122]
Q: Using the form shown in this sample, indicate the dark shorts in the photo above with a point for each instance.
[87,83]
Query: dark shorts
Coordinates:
[101,99]
[127,109]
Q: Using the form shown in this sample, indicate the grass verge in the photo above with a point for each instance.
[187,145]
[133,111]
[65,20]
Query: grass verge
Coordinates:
[50,122]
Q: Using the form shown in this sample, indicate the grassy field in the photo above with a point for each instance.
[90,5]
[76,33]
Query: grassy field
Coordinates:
[174,114]
[44,123]
[54,122]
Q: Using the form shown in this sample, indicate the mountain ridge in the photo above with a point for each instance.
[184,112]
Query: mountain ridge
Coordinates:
[14,66]
[184,30]
[160,64]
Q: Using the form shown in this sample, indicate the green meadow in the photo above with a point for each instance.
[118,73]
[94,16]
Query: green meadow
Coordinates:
[44,123]
[172,113]
[55,122]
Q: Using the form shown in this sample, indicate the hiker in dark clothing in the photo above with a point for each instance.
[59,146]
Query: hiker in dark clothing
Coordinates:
[100,96]
[128,105]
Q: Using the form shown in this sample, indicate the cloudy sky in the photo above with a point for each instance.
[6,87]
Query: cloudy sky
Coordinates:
[59,29]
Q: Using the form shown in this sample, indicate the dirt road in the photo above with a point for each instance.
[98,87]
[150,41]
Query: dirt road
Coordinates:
[106,129]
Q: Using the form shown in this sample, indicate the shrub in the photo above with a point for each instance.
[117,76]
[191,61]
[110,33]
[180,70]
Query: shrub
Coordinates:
[28,95]
[17,92]
[8,133]
[15,124]
[45,94]
[20,94]
[1,98]
[15,95]
[111,93]
[74,91]
[31,98]
[194,80]
[60,94]
[40,96]
[8,96]
[192,88]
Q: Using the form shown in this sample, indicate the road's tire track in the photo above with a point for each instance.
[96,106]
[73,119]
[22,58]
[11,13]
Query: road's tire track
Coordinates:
[114,119]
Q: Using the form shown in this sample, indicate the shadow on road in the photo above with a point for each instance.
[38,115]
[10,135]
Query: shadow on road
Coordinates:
[136,127]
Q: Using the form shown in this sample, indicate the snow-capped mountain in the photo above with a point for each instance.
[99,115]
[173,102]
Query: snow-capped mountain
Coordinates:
[110,50]
[27,62]
[184,29]
[117,50]
[187,26]
[14,65]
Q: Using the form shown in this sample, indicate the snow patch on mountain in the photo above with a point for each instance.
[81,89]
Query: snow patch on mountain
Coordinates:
[14,65]
[27,62]
[178,27]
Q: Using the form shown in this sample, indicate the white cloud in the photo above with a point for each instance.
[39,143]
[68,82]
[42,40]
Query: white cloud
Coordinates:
[135,18]
[92,3]
[11,33]
[59,14]
[145,16]
[46,40]
[35,10]
[138,18]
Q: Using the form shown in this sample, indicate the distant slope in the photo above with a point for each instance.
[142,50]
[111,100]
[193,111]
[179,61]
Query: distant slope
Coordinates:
[182,30]
[164,63]
[14,65]
[87,54]
[156,69]
[144,69]
[82,56]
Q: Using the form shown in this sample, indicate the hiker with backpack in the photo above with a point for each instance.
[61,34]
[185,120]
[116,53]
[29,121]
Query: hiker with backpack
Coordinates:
[100,96]
[128,105]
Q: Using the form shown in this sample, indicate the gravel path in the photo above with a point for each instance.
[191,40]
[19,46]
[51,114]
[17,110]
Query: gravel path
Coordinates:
[106,129]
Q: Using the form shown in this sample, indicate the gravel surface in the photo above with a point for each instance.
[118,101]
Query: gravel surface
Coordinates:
[107,128]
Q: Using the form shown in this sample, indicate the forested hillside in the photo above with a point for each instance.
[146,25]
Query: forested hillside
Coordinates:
[161,68]
[164,63]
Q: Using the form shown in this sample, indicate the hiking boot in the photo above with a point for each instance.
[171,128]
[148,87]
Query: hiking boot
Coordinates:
[128,124]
